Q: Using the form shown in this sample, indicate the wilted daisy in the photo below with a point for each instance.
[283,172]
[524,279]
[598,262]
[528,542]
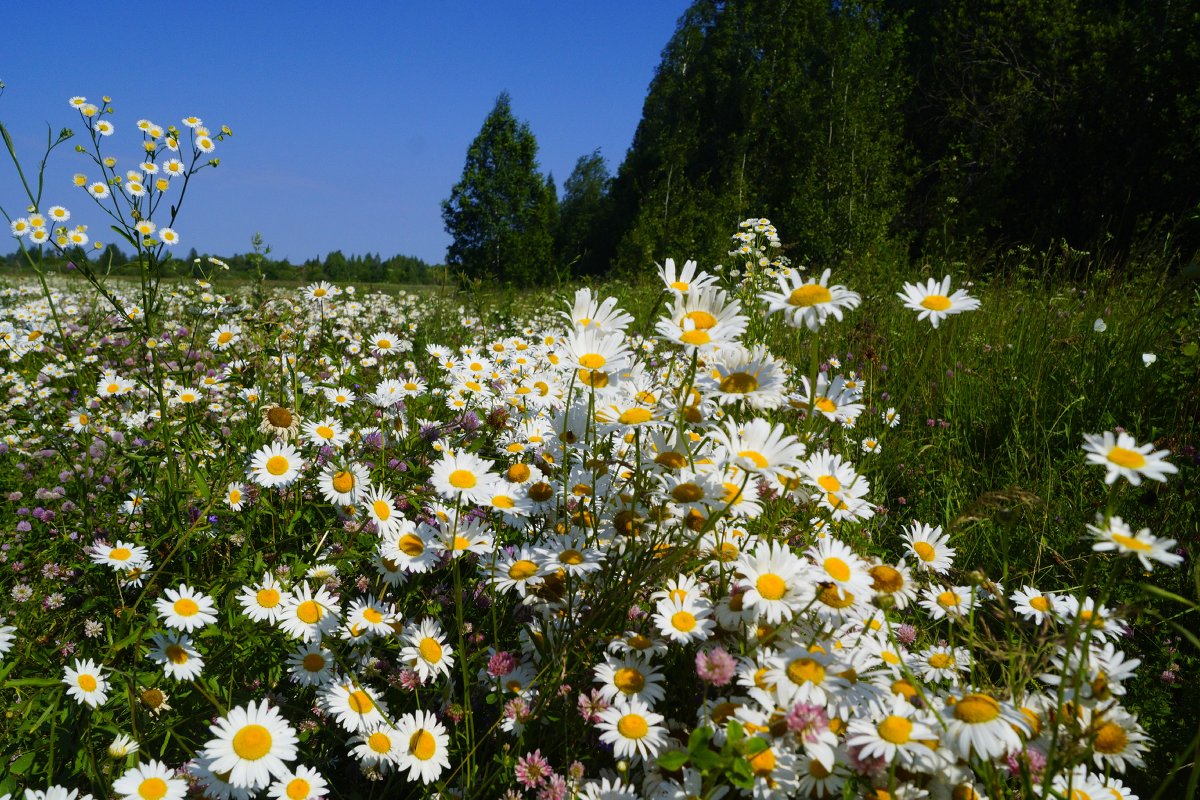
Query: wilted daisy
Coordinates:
[276,465]
[425,753]
[251,744]
[152,780]
[185,609]
[280,422]
[86,682]
[934,301]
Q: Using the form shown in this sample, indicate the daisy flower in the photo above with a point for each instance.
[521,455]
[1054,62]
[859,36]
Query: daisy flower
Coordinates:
[1123,457]
[300,783]
[464,477]
[980,726]
[899,738]
[309,615]
[179,659]
[1035,605]
[378,746]
[6,637]
[381,509]
[319,292]
[264,601]
[224,337]
[894,581]
[516,571]
[685,280]
[1116,535]
[340,396]
[684,621]
[810,303]
[634,731]
[837,564]
[934,302]
[425,649]
[940,663]
[152,780]
[630,677]
[276,465]
[185,609]
[356,706]
[467,536]
[235,496]
[121,557]
[251,744]
[311,665]
[774,581]
[758,447]
[930,546]
[705,319]
[1119,740]
[86,683]
[342,484]
[412,547]
[425,753]
[951,604]
[280,422]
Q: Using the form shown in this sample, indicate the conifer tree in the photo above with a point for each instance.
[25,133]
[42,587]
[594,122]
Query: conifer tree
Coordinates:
[502,212]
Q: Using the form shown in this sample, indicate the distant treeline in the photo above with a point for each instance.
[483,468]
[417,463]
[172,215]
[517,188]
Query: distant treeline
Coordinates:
[336,266]
[941,129]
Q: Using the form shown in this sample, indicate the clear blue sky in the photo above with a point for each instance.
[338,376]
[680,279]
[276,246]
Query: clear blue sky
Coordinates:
[351,121]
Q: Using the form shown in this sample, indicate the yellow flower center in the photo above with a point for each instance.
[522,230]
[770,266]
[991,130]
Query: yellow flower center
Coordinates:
[763,764]
[522,570]
[383,510]
[940,661]
[120,554]
[976,709]
[298,789]
[518,473]
[757,458]
[152,789]
[1111,739]
[925,551]
[430,650]
[223,337]
[687,493]
[635,416]
[112,388]
[186,607]
[770,586]
[592,361]
[325,432]
[810,294]
[252,742]
[314,662]
[1123,457]
[360,702]
[1130,542]
[176,654]
[462,479]
[886,579]
[948,599]
[87,682]
[629,680]
[936,302]
[829,483]
[683,621]
[372,616]
[379,742]
[896,730]
[277,465]
[739,383]
[422,745]
[839,570]
[633,726]
[411,545]
[805,670]
[309,612]
[571,557]
[1040,603]
[235,496]
[695,337]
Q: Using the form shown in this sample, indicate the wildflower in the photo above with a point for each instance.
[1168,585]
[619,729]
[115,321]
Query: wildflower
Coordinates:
[179,659]
[425,753]
[933,301]
[1123,457]
[86,683]
[705,320]
[426,650]
[356,706]
[810,303]
[464,477]
[280,422]
[121,557]
[151,780]
[251,744]
[311,665]
[715,666]
[301,783]
[532,769]
[899,738]
[121,746]
[979,726]
[684,620]
[185,609]
[342,484]
[1035,605]
[264,601]
[276,465]
[309,615]
[379,745]
[930,546]
[235,495]
[634,731]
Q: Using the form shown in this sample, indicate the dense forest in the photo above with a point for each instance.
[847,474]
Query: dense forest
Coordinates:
[939,129]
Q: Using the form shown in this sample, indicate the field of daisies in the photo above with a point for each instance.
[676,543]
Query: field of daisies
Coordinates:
[672,542]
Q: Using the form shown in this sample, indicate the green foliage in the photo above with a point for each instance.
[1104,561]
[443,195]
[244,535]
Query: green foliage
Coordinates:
[501,213]
[787,108]
[583,238]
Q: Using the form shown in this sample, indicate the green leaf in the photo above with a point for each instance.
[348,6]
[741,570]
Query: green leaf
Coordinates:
[755,746]
[699,739]
[734,733]
[740,775]
[673,760]
[705,759]
[1191,349]
[22,764]
[32,682]
[1150,588]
